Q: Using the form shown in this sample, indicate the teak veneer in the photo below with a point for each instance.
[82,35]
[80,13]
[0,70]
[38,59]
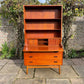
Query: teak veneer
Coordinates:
[43,36]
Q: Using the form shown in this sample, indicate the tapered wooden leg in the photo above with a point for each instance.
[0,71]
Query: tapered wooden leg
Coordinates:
[27,70]
[59,69]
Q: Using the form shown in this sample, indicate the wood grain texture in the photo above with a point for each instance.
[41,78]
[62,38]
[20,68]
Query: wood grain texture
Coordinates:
[43,62]
[43,14]
[43,56]
[43,36]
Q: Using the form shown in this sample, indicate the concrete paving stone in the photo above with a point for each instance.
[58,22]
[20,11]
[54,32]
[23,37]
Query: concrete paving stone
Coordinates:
[67,62]
[11,68]
[78,61]
[83,58]
[15,61]
[57,81]
[3,62]
[77,81]
[66,72]
[1,67]
[30,81]
[79,69]
[22,73]
[23,66]
[7,78]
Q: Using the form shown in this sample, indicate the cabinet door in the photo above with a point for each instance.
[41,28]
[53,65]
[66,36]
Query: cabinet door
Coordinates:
[32,42]
[56,42]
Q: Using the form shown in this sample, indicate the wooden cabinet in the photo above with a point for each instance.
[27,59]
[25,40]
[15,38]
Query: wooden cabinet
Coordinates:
[43,36]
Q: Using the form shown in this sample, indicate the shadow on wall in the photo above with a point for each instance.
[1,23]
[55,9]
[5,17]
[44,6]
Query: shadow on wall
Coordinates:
[77,41]
[7,33]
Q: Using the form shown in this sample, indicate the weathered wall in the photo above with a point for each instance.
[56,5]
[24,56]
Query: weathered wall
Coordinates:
[77,41]
[7,33]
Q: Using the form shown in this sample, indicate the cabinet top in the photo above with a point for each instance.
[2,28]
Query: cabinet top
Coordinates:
[42,5]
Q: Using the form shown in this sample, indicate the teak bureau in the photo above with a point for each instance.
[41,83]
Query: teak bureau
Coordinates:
[43,36]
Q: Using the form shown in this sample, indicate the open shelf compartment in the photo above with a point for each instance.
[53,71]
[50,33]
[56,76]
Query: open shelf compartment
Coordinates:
[42,12]
[43,24]
[43,34]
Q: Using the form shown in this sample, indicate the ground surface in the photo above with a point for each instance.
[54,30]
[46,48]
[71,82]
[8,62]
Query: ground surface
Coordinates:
[14,72]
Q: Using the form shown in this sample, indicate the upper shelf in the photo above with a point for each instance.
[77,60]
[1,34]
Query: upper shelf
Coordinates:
[42,13]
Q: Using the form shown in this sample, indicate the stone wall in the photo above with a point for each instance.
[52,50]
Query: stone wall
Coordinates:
[77,41]
[7,33]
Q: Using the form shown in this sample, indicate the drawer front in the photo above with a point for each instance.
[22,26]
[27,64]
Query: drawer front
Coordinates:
[58,55]
[43,62]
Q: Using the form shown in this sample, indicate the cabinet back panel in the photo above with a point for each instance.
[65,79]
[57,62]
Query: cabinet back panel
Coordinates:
[43,14]
[43,34]
[43,25]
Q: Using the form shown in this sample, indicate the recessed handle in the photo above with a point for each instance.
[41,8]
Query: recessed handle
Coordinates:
[30,56]
[30,62]
[55,56]
[55,61]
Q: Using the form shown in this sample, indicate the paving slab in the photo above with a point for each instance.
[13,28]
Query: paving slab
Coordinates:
[83,58]
[78,61]
[57,81]
[3,62]
[15,61]
[67,62]
[22,73]
[1,67]
[7,78]
[30,81]
[77,81]
[79,69]
[66,72]
[10,68]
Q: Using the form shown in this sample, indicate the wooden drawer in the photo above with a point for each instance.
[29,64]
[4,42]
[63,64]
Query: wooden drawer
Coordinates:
[57,55]
[43,62]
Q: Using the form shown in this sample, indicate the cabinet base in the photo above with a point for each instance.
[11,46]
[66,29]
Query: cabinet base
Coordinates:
[57,66]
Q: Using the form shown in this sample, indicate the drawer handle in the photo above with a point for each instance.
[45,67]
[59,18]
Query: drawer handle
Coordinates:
[30,56]
[55,56]
[30,62]
[55,61]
